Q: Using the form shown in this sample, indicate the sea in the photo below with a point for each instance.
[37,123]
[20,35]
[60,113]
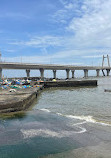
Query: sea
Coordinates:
[64,122]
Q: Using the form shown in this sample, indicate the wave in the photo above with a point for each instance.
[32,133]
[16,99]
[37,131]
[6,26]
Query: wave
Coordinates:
[46,110]
[88,119]
[84,118]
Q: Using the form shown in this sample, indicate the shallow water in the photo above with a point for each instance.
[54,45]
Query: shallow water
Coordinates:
[65,122]
[88,103]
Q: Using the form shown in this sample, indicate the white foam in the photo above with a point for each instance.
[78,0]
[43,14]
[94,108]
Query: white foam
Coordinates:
[86,118]
[39,132]
[59,114]
[80,123]
[46,110]
[48,133]
[83,130]
[103,124]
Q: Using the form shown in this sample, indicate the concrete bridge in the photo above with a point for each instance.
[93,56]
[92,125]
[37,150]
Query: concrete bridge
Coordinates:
[54,68]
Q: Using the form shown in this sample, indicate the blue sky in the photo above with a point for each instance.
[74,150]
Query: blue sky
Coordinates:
[55,31]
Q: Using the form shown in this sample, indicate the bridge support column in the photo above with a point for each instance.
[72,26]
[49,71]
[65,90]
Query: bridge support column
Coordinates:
[42,73]
[28,72]
[97,72]
[67,73]
[108,71]
[85,73]
[0,73]
[73,73]
[54,74]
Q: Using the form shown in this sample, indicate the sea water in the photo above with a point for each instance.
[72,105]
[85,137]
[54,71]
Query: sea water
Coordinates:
[64,122]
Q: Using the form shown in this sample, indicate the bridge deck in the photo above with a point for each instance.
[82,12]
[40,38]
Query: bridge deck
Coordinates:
[6,65]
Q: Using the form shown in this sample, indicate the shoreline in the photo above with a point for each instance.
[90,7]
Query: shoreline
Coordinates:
[21,101]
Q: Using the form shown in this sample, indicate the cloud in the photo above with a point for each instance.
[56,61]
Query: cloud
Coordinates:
[96,56]
[88,22]
[41,41]
[58,58]
[68,11]
[85,27]
[93,29]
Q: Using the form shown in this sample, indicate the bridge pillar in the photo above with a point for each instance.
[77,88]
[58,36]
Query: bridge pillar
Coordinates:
[0,73]
[42,73]
[28,72]
[73,73]
[85,73]
[97,72]
[108,71]
[67,73]
[54,74]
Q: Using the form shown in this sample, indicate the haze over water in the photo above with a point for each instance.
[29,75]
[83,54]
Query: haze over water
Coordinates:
[64,122]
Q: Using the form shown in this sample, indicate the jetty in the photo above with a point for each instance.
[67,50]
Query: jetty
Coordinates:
[17,100]
[69,83]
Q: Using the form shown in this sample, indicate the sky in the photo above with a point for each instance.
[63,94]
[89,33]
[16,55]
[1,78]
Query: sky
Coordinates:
[75,32]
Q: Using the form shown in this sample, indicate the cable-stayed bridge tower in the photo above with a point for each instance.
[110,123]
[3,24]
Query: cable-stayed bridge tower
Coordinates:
[103,63]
